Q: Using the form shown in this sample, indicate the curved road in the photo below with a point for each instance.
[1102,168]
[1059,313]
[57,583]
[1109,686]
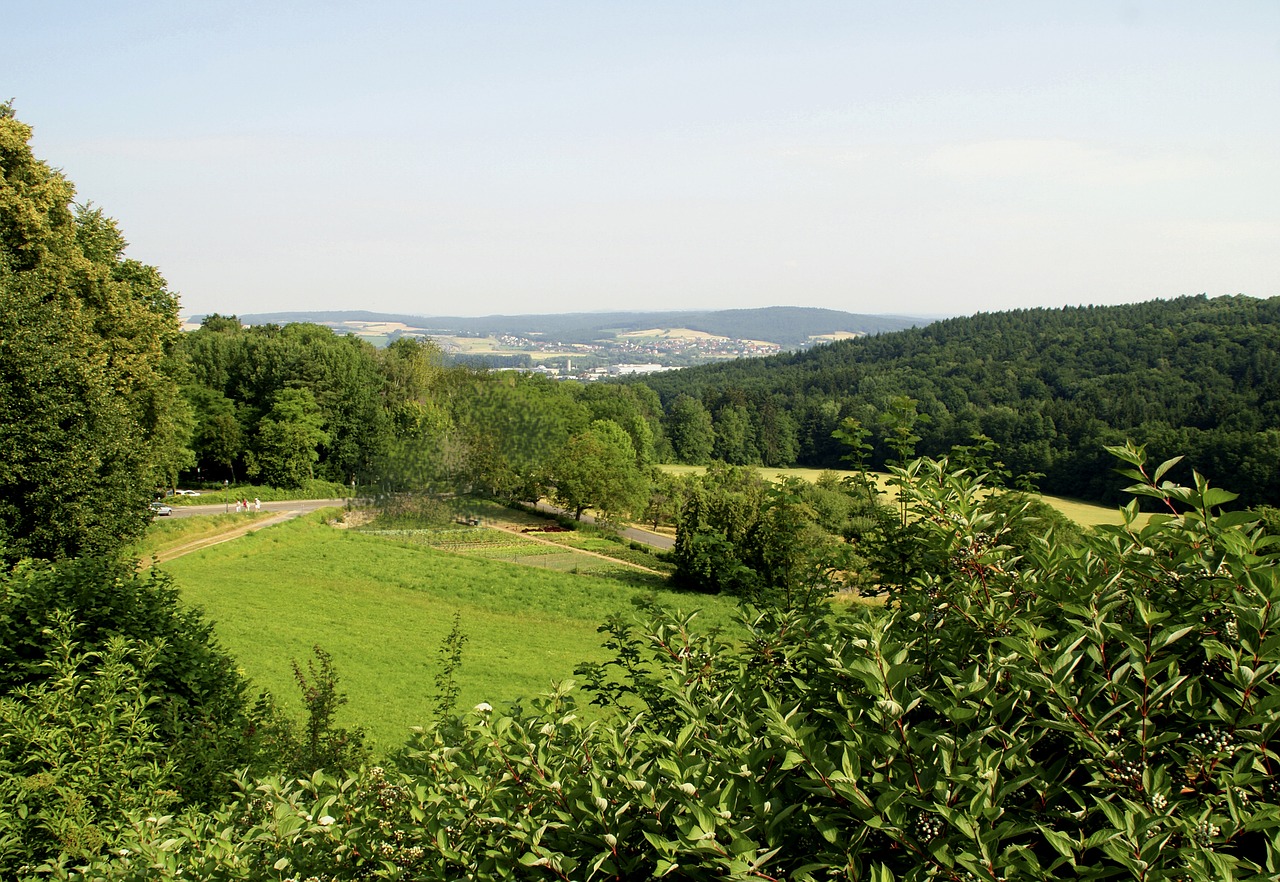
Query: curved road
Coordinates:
[636,534]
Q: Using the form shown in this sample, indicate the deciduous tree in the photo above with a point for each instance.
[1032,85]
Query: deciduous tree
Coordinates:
[690,430]
[91,422]
[598,469]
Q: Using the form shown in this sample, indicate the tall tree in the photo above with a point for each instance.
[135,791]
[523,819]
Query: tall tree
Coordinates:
[514,426]
[597,469]
[285,451]
[690,430]
[733,436]
[423,449]
[91,422]
[218,439]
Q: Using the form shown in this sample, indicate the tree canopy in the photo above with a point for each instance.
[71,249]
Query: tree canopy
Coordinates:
[91,422]
[1049,388]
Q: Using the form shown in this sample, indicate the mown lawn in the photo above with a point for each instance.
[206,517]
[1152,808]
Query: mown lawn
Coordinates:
[381,607]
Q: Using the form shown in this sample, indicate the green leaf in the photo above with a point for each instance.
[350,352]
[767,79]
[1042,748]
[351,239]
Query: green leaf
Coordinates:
[1061,842]
[1164,467]
[830,830]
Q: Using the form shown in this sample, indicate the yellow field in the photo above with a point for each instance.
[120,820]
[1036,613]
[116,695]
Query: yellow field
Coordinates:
[671,334]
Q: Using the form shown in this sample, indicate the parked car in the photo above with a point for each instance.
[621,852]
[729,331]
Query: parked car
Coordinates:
[186,492]
[159,510]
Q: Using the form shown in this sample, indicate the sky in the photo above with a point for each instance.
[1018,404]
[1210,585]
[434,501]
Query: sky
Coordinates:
[480,158]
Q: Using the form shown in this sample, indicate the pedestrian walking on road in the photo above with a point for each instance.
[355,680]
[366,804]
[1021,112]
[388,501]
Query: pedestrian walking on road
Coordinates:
[257,504]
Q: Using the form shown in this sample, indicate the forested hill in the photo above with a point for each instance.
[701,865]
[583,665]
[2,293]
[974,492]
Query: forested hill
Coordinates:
[1050,387]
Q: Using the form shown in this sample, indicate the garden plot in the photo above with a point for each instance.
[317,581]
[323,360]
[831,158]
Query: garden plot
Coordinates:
[551,551]
[464,540]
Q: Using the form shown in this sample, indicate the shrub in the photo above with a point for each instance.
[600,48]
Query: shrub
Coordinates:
[1101,708]
[78,752]
[197,699]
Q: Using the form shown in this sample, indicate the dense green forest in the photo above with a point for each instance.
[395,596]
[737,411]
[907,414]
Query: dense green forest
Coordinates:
[1028,700]
[1193,376]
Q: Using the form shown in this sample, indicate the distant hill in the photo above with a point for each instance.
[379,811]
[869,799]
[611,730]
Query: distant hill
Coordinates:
[788,326]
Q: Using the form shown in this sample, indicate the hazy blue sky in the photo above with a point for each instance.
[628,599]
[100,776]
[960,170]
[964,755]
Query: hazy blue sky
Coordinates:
[498,157]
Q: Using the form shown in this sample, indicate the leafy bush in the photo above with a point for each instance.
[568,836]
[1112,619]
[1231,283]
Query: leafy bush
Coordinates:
[78,751]
[198,701]
[1097,709]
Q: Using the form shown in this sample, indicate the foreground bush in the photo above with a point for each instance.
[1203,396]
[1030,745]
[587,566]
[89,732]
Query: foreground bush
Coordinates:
[1101,709]
[113,697]
[198,701]
[78,752]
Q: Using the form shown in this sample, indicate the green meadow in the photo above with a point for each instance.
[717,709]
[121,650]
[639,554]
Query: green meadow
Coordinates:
[167,535]
[381,605]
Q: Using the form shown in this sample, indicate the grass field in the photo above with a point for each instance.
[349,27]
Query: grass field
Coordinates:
[167,534]
[382,604]
[382,601]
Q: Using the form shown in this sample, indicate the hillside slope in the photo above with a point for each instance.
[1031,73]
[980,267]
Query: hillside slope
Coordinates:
[788,326]
[1050,387]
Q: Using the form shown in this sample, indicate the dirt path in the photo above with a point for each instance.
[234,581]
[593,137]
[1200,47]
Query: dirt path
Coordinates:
[519,531]
[234,532]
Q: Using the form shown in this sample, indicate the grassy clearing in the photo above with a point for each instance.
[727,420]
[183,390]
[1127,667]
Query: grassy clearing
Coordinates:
[517,535]
[382,604]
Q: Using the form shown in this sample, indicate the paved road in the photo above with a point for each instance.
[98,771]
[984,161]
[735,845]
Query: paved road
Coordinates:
[635,534]
[294,505]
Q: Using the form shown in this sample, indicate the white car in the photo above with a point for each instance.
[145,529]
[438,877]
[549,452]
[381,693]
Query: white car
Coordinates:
[159,509]
[186,492]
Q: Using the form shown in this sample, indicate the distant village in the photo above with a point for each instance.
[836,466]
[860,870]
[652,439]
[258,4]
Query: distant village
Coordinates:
[630,353]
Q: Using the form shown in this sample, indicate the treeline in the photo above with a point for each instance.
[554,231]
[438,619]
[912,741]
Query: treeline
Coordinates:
[1050,387]
[287,404]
